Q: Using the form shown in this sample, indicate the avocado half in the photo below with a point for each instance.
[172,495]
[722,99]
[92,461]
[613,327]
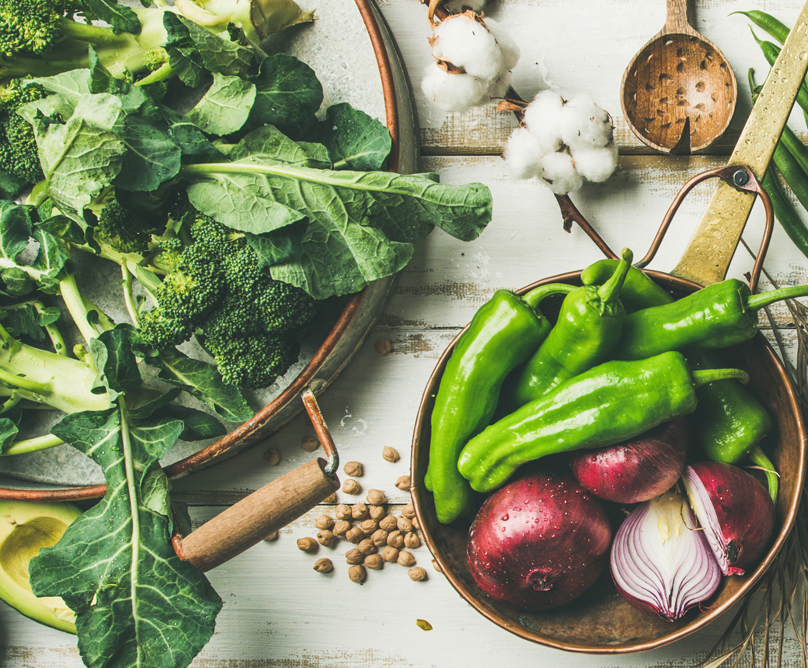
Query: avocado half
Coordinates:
[25,528]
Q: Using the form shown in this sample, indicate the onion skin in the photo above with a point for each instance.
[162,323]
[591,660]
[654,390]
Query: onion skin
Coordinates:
[636,470]
[735,511]
[539,542]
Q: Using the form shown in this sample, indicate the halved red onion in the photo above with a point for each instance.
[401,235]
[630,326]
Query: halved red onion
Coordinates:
[635,470]
[660,560]
[734,510]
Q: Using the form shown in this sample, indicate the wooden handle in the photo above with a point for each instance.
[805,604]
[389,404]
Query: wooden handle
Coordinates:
[676,21]
[250,520]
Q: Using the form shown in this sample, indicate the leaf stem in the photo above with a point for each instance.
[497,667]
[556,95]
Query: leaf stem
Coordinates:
[77,307]
[32,445]
[129,465]
[128,297]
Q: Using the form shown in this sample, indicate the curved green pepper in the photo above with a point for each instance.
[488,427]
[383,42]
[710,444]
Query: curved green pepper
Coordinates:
[503,333]
[730,422]
[608,404]
[717,316]
[587,329]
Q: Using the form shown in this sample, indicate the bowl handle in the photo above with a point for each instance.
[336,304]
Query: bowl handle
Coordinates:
[266,510]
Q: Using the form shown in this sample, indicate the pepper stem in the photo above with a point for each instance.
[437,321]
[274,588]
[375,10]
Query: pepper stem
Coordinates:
[610,290]
[536,295]
[760,459]
[756,302]
[704,376]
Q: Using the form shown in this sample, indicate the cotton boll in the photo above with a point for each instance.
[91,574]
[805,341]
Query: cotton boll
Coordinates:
[543,118]
[559,173]
[523,154]
[457,6]
[584,124]
[453,92]
[465,43]
[596,164]
[509,48]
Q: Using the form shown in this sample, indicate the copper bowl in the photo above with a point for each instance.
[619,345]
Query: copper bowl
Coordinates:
[601,621]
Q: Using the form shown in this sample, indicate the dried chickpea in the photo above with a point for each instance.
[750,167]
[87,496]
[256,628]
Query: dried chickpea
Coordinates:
[411,540]
[359,511]
[408,511]
[323,566]
[271,536]
[324,522]
[325,538]
[383,346]
[377,512]
[272,457]
[416,525]
[331,499]
[388,523]
[436,566]
[354,556]
[307,544]
[417,574]
[403,524]
[354,469]
[309,444]
[350,486]
[379,538]
[390,554]
[390,454]
[376,497]
[403,482]
[342,512]
[395,539]
[369,525]
[405,559]
[374,561]
[367,547]
[354,535]
[357,573]
[341,528]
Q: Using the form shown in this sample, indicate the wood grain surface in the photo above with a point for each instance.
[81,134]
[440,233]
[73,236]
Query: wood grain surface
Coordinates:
[278,611]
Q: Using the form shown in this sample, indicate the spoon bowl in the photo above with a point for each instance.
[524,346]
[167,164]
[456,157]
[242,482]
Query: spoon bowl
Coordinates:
[679,92]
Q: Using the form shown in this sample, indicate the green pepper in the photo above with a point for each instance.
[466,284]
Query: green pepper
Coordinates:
[730,422]
[720,315]
[503,333]
[608,404]
[587,329]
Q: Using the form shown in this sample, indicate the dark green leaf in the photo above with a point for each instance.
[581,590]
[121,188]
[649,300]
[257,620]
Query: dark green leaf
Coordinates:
[120,17]
[189,137]
[8,434]
[183,56]
[151,157]
[278,246]
[136,603]
[268,144]
[63,228]
[50,258]
[22,321]
[115,359]
[198,425]
[225,106]
[11,186]
[354,140]
[218,55]
[70,85]
[288,95]
[148,409]
[15,229]
[17,283]
[204,382]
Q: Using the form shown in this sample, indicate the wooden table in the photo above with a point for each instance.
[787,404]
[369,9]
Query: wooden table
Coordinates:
[278,611]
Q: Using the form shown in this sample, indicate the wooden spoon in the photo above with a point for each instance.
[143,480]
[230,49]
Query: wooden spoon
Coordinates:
[678,93]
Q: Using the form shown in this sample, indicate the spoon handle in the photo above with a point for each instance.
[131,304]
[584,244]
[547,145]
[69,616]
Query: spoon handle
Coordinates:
[676,21]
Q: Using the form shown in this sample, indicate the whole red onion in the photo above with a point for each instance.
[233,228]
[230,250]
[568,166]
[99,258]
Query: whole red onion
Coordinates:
[636,470]
[734,510]
[539,542]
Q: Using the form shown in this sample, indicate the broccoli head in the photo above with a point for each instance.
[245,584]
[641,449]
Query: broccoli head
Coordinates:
[18,151]
[28,26]
[216,286]
[123,229]
[253,361]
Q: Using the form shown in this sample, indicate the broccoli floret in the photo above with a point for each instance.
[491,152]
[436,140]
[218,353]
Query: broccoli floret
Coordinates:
[218,288]
[18,151]
[122,229]
[253,361]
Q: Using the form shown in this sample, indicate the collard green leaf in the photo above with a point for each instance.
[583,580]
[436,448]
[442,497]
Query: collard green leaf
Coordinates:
[354,140]
[50,258]
[288,95]
[16,282]
[22,321]
[204,382]
[198,424]
[8,433]
[15,229]
[11,186]
[183,56]
[115,360]
[278,246]
[225,106]
[151,157]
[72,84]
[120,17]
[82,156]
[270,145]
[191,140]
[136,603]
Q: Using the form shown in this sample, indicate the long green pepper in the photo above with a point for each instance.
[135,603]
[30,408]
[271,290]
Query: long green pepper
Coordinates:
[587,329]
[608,404]
[503,333]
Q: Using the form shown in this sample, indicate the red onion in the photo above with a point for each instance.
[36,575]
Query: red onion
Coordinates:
[735,511]
[661,561]
[539,542]
[636,470]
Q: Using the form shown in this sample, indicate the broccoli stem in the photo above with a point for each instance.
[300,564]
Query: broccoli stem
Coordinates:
[32,445]
[128,297]
[87,32]
[77,307]
[165,71]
